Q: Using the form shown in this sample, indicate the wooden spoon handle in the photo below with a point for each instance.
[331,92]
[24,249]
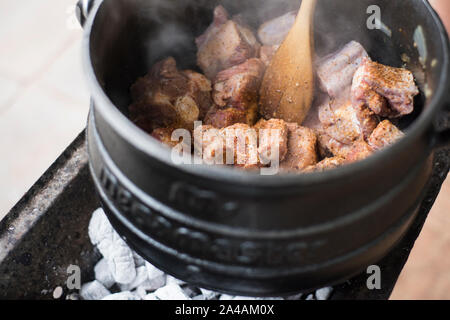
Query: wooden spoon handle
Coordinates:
[287,88]
[305,15]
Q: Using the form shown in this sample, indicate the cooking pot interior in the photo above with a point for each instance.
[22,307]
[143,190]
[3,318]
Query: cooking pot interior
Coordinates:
[129,36]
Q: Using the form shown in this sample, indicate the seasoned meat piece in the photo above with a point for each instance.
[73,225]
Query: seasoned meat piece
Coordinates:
[335,71]
[360,150]
[221,118]
[168,97]
[209,144]
[270,132]
[266,53]
[153,112]
[372,100]
[220,18]
[374,82]
[243,140]
[346,123]
[164,135]
[238,86]
[329,147]
[302,148]
[225,45]
[326,164]
[340,121]
[384,135]
[312,121]
[368,121]
[199,88]
[274,32]
[234,145]
[187,109]
[236,95]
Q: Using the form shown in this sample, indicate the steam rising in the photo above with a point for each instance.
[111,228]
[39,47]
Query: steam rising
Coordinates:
[173,25]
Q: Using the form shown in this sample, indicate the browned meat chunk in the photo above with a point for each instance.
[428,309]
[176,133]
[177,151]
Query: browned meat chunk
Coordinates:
[340,121]
[238,144]
[243,140]
[274,32]
[360,150]
[302,148]
[234,145]
[387,91]
[199,88]
[168,97]
[225,44]
[220,18]
[221,118]
[368,121]
[313,122]
[384,135]
[335,71]
[345,122]
[329,147]
[209,145]
[272,132]
[238,86]
[326,164]
[164,135]
[236,95]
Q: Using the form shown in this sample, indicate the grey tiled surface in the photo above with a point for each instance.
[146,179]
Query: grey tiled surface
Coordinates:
[43,99]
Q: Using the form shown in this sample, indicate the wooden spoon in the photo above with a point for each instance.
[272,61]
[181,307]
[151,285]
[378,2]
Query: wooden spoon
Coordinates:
[288,85]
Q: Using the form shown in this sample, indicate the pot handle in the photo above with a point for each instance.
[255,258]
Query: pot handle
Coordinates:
[83,7]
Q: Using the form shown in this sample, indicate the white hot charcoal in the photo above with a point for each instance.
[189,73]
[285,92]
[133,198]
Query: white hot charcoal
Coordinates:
[120,259]
[146,281]
[295,297]
[152,271]
[141,292]
[140,279]
[102,273]
[208,294]
[138,260]
[156,278]
[151,296]
[173,280]
[155,283]
[124,295]
[171,292]
[99,227]
[324,293]
[93,291]
[245,298]
[116,252]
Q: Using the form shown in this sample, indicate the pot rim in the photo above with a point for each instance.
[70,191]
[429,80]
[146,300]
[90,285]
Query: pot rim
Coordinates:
[151,147]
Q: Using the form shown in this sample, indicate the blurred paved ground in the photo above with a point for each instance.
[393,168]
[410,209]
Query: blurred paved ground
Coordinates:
[44,105]
[43,100]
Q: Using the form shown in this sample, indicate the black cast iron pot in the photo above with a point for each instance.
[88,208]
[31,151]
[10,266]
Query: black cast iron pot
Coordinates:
[240,232]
